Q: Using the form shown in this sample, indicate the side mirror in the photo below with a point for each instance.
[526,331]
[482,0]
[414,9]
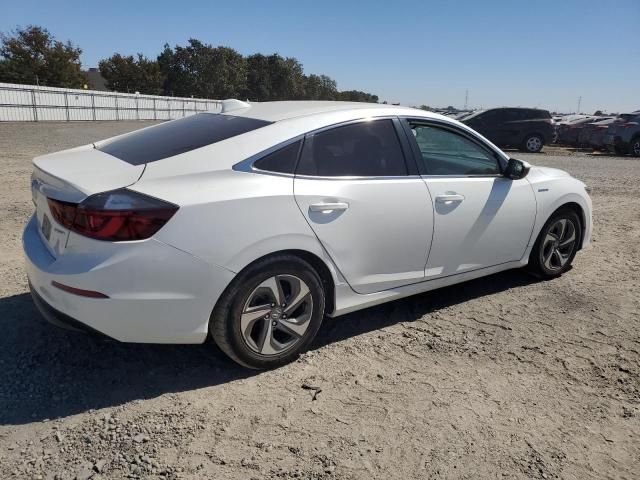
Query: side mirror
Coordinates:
[516,169]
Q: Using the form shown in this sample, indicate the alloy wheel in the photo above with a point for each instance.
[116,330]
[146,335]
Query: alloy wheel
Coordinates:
[534,144]
[635,148]
[276,314]
[558,244]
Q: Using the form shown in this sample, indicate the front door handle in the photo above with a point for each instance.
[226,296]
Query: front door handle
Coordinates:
[449,198]
[328,206]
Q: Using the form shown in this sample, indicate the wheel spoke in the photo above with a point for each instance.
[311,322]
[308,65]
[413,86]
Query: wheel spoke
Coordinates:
[568,241]
[303,293]
[550,238]
[562,225]
[558,258]
[547,259]
[273,284]
[250,315]
[266,337]
[294,327]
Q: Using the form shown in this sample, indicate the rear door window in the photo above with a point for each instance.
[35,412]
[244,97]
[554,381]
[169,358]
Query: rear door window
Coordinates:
[513,115]
[492,117]
[178,136]
[365,149]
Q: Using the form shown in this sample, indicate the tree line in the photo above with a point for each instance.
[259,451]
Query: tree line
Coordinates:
[33,55]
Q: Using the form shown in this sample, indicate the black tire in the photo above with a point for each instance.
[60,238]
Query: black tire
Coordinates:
[532,143]
[224,324]
[634,147]
[618,150]
[540,252]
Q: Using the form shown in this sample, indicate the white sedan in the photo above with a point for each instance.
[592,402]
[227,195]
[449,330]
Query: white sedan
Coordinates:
[251,225]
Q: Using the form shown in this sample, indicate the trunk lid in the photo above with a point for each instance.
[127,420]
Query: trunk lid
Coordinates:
[79,172]
[71,176]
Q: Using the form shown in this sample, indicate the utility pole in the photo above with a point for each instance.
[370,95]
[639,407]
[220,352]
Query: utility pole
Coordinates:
[466,98]
[579,102]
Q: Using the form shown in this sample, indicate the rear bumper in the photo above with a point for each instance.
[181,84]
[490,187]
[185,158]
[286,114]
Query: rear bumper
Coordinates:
[157,293]
[58,318]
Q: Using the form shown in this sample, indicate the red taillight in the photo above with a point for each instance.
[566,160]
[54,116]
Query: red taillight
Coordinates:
[63,212]
[628,124]
[115,216]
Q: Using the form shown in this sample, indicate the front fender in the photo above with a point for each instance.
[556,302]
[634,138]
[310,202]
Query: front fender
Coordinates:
[548,203]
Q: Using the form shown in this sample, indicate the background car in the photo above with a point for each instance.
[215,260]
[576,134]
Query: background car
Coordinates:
[568,131]
[251,225]
[623,137]
[592,134]
[528,129]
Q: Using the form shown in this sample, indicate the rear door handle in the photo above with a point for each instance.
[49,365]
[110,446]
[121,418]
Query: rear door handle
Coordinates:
[328,206]
[449,198]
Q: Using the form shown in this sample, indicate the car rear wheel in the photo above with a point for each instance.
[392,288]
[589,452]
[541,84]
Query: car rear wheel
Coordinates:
[556,245]
[270,313]
[619,150]
[532,143]
[634,147]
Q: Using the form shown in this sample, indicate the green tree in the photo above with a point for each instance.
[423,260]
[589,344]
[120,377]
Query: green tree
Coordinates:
[201,70]
[129,74]
[358,96]
[273,77]
[32,55]
[320,87]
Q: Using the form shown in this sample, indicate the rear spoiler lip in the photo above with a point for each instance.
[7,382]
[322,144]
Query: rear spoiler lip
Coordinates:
[54,187]
[75,174]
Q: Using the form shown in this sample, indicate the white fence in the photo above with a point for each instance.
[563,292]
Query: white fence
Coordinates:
[29,103]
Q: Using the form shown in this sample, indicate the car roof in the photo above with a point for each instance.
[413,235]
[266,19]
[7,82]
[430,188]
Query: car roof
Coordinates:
[285,110]
[510,108]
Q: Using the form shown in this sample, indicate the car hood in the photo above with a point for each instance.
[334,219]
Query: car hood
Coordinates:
[548,172]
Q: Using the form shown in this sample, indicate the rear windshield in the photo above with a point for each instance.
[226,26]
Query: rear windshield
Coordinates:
[627,117]
[178,136]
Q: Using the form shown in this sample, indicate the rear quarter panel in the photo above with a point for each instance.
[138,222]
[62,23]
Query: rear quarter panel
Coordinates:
[230,218]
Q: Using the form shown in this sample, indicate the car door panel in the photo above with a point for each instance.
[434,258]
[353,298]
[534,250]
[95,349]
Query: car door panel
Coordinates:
[379,235]
[491,225]
[373,218]
[481,218]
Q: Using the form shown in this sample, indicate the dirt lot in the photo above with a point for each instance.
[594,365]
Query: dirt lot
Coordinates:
[504,377]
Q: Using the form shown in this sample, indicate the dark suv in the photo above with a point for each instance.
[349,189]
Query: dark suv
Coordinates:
[525,128]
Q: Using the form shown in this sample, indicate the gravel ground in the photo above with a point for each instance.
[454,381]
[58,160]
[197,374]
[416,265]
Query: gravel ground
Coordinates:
[503,377]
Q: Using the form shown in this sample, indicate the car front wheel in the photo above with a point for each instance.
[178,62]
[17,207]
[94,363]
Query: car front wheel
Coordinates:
[556,245]
[532,143]
[270,313]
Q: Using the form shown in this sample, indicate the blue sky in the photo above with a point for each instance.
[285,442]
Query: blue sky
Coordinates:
[531,53]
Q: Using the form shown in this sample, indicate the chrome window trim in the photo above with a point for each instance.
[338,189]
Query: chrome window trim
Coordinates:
[463,176]
[247,165]
[356,178]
